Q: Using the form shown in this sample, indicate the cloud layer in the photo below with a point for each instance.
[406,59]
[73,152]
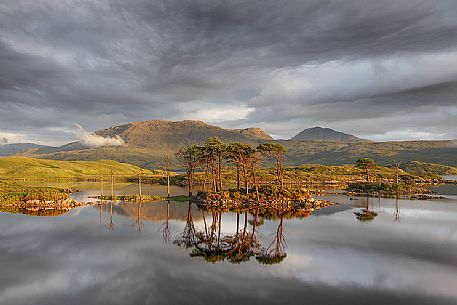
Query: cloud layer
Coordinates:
[379,69]
[93,140]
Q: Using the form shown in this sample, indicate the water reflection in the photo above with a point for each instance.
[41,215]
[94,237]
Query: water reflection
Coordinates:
[329,258]
[166,233]
[275,253]
[214,245]
[397,210]
[366,213]
[188,237]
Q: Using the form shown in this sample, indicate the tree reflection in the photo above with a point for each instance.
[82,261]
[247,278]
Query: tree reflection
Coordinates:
[211,244]
[275,253]
[138,221]
[397,210]
[366,214]
[111,224]
[166,235]
[188,237]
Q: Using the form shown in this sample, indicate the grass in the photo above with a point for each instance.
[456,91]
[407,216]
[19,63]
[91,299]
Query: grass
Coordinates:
[181,198]
[23,168]
[11,193]
[325,174]
[421,168]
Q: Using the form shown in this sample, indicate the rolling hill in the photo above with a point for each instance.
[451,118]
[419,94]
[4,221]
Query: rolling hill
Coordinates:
[36,169]
[337,153]
[146,144]
[14,148]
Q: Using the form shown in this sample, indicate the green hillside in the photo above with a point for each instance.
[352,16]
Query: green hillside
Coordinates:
[146,144]
[300,152]
[384,153]
[420,168]
[33,169]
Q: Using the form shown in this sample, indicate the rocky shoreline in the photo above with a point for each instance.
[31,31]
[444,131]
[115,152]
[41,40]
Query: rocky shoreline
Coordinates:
[42,207]
[294,207]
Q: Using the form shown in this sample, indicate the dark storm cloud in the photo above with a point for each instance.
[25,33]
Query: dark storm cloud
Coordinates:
[99,63]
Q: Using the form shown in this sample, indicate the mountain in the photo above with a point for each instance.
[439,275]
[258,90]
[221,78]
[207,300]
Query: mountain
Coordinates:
[173,134]
[11,149]
[146,144]
[255,134]
[324,134]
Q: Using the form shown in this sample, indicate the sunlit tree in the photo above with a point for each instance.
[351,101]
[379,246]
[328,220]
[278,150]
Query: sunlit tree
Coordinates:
[276,151]
[188,158]
[366,164]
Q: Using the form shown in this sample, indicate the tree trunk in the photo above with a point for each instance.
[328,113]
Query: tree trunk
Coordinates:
[190,182]
[220,171]
[246,181]
[237,176]
[168,184]
[254,177]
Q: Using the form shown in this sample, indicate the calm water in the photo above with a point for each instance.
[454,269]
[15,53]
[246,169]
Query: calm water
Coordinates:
[127,254]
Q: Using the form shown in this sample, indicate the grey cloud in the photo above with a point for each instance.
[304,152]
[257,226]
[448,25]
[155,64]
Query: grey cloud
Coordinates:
[99,63]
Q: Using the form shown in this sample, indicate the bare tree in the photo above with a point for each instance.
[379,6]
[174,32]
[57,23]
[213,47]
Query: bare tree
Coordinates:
[167,166]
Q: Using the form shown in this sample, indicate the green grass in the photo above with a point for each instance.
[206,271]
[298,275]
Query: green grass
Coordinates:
[315,173]
[11,192]
[180,198]
[23,168]
[300,152]
[420,168]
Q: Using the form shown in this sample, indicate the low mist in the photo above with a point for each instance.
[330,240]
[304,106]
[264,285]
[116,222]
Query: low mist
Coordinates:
[93,140]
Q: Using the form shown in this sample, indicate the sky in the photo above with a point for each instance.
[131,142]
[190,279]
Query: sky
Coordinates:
[382,70]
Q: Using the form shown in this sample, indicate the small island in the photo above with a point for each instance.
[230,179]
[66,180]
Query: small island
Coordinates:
[228,177]
[37,201]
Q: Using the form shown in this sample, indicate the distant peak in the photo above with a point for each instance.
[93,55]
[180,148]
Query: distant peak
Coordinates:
[318,133]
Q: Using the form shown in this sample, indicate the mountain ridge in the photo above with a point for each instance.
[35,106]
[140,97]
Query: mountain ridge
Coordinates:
[14,148]
[146,144]
[157,132]
[324,134]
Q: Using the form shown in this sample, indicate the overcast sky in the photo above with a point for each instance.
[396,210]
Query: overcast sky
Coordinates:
[383,70]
